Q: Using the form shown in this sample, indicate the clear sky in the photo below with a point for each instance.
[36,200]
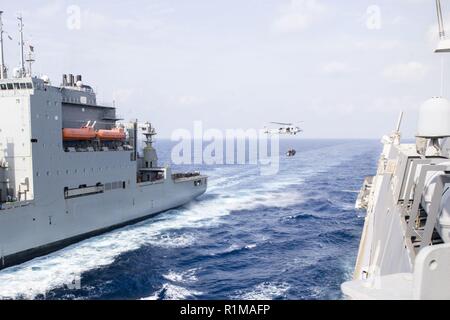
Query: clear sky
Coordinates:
[346,68]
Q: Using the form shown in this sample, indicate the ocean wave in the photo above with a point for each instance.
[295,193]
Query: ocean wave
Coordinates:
[337,236]
[302,216]
[173,292]
[187,276]
[234,248]
[264,291]
[57,269]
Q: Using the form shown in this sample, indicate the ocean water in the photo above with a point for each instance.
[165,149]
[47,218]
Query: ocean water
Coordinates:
[294,235]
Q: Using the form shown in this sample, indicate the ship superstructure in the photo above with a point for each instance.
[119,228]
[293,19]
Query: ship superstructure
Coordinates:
[69,169]
[405,246]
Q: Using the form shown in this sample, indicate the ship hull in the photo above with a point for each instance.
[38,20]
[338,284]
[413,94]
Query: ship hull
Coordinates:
[25,241]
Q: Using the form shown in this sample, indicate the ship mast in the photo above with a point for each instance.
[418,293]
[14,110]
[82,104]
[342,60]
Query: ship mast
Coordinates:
[30,60]
[3,74]
[440,20]
[22,56]
[444,43]
[149,132]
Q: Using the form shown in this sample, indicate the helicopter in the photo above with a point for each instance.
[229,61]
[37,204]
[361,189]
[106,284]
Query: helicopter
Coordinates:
[286,128]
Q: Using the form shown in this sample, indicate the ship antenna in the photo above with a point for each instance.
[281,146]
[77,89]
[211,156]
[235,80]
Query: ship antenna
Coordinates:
[396,135]
[444,44]
[399,123]
[149,133]
[22,56]
[30,60]
[3,74]
[440,20]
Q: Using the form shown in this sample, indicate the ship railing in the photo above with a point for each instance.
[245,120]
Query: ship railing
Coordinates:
[409,182]
[97,148]
[14,205]
[414,229]
[186,175]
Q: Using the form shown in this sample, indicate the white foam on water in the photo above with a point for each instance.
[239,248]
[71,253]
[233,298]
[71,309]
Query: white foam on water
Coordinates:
[39,275]
[187,276]
[347,206]
[173,241]
[234,248]
[264,291]
[173,292]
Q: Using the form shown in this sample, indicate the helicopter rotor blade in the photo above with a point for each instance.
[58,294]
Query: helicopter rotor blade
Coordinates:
[283,123]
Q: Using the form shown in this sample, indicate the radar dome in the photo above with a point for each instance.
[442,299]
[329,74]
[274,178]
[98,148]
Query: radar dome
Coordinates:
[434,119]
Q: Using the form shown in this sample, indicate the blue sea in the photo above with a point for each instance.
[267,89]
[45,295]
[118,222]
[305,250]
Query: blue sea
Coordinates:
[293,235]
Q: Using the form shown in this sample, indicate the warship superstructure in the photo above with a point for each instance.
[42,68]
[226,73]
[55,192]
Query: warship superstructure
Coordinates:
[69,169]
[405,247]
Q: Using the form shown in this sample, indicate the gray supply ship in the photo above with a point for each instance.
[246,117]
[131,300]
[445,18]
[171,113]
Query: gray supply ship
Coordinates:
[405,247]
[69,170]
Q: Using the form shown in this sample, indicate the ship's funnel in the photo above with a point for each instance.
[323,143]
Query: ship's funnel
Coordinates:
[71,80]
[434,119]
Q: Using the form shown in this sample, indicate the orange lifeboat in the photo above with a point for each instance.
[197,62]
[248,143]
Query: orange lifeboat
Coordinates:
[116,134]
[81,134]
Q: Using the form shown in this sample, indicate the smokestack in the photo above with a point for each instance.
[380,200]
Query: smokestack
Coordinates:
[64,83]
[79,78]
[71,80]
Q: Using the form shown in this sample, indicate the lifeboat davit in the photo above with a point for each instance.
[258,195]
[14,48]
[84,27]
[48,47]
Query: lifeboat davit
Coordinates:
[81,134]
[116,134]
